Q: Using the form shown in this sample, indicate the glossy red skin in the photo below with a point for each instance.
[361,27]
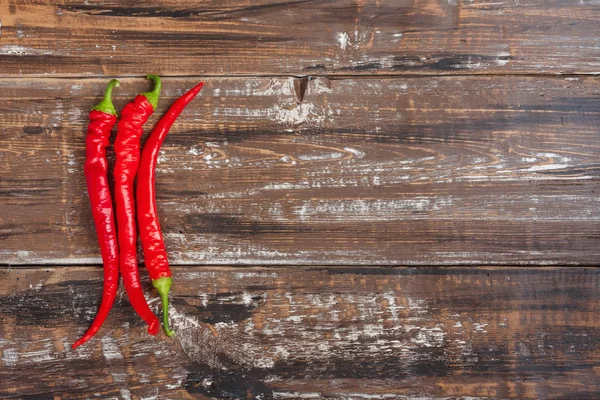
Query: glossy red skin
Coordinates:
[95,171]
[127,149]
[155,253]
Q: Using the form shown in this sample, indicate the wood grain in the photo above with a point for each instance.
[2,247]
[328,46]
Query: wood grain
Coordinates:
[358,139]
[339,333]
[446,171]
[303,37]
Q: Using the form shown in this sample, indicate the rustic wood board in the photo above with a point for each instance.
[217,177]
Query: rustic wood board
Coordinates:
[187,37]
[413,171]
[340,333]
[384,135]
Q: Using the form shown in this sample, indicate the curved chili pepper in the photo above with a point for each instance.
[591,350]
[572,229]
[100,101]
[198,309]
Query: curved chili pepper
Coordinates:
[155,254]
[102,119]
[127,149]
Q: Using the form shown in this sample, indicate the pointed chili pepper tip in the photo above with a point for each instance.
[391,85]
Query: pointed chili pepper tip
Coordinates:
[152,96]
[199,86]
[163,285]
[154,327]
[106,105]
[77,344]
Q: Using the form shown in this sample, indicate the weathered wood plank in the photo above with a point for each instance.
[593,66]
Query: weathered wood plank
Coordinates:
[339,333]
[400,171]
[186,37]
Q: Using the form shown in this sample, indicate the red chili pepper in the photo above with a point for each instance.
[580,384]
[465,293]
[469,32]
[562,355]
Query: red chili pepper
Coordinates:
[155,254]
[127,148]
[102,119]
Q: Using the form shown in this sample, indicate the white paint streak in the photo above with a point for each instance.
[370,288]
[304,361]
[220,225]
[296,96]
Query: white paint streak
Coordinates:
[23,253]
[181,321]
[264,362]
[153,397]
[355,152]
[10,357]
[125,393]
[119,378]
[387,61]
[503,59]
[319,157]
[71,160]
[343,40]
[38,356]
[277,87]
[176,385]
[246,275]
[318,86]
[393,308]
[16,50]
[110,350]
[367,209]
[195,151]
[296,395]
[545,167]
[247,299]
[430,337]
[297,115]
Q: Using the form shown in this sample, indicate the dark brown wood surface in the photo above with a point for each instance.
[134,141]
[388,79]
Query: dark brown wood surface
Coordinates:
[187,37]
[455,170]
[339,333]
[368,200]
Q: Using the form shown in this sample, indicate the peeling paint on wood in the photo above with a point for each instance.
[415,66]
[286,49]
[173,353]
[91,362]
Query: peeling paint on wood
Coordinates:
[337,332]
[404,171]
[184,37]
[340,153]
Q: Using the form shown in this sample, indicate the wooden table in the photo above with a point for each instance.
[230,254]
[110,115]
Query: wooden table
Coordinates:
[368,200]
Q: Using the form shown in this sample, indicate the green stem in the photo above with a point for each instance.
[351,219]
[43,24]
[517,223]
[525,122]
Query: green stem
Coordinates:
[106,105]
[163,285]
[152,96]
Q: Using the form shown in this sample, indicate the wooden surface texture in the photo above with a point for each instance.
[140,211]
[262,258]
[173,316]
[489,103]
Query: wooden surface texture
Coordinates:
[242,37]
[337,333]
[395,199]
[452,170]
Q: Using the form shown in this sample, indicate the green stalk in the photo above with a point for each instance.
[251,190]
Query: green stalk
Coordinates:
[163,285]
[152,96]
[106,105]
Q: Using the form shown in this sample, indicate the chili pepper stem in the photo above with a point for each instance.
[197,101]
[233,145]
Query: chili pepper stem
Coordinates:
[152,96]
[106,105]
[163,286]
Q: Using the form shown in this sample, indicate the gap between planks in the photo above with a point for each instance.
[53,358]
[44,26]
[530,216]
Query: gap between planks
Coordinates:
[300,76]
[351,268]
